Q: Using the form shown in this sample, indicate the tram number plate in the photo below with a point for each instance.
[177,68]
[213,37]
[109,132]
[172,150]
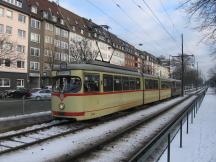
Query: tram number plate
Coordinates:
[62,73]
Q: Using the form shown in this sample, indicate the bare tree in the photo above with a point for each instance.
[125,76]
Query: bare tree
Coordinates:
[81,51]
[204,12]
[8,54]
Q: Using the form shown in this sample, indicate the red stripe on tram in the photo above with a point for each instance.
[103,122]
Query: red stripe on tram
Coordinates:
[68,113]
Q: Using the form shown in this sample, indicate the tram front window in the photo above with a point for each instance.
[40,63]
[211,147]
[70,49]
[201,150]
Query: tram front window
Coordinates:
[67,84]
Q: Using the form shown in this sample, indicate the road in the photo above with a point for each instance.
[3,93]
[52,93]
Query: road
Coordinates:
[17,107]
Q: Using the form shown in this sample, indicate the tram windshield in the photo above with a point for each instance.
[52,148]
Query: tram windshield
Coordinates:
[67,84]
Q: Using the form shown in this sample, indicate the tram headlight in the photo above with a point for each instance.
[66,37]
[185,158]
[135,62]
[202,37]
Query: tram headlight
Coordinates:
[61,106]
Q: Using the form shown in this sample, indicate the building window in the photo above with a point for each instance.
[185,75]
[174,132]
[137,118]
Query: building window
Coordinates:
[47,52]
[49,27]
[73,28]
[49,39]
[1,11]
[34,65]
[57,56]
[18,3]
[4,82]
[57,43]
[9,14]
[21,18]
[64,45]
[62,21]
[35,23]
[21,48]
[45,14]
[20,83]
[35,37]
[64,33]
[57,31]
[34,9]
[82,31]
[20,64]
[54,18]
[47,66]
[8,29]
[1,28]
[7,62]
[64,56]
[35,51]
[21,33]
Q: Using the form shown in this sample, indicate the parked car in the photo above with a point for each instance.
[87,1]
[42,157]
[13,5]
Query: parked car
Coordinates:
[19,93]
[41,94]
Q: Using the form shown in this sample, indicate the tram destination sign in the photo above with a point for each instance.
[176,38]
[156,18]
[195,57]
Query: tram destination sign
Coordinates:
[63,73]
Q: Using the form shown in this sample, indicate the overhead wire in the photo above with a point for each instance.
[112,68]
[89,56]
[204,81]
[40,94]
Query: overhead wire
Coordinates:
[110,17]
[134,21]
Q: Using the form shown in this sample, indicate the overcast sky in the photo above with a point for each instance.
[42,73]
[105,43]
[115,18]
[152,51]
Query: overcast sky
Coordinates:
[132,21]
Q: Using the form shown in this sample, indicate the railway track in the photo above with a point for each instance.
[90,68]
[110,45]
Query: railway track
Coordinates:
[21,139]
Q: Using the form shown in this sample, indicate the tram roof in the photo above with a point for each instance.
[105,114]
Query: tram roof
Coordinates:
[106,67]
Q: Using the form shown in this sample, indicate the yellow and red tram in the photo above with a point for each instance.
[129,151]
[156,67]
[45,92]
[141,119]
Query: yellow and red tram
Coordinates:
[87,91]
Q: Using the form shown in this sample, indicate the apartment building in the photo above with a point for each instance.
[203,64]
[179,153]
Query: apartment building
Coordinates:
[48,43]
[14,30]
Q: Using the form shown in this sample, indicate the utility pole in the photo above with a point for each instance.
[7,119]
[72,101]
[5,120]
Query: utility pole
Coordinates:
[197,77]
[182,74]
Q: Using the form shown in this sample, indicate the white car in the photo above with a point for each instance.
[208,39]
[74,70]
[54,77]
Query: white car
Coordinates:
[41,94]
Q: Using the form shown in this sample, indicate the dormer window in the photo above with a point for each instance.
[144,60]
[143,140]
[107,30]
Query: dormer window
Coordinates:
[34,9]
[73,28]
[76,22]
[54,18]
[45,14]
[62,21]
[82,31]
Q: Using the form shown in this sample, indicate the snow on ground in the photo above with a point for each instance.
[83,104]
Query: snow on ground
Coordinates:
[17,117]
[200,144]
[81,140]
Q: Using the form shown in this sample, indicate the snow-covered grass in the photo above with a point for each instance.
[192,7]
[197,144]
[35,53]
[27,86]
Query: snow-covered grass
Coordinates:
[200,144]
[18,117]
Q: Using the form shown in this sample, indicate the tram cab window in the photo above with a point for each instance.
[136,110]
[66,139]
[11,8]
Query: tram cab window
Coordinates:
[151,84]
[125,81]
[91,82]
[67,84]
[117,83]
[107,83]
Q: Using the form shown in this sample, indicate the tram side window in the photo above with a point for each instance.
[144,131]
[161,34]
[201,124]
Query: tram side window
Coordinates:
[125,81]
[91,82]
[151,84]
[165,84]
[132,84]
[117,83]
[137,83]
[107,83]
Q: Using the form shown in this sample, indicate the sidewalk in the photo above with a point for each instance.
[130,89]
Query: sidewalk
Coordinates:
[200,144]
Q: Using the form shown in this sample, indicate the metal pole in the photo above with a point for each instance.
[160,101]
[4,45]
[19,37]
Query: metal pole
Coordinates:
[197,77]
[187,123]
[192,116]
[182,59]
[23,110]
[181,134]
[194,110]
[168,149]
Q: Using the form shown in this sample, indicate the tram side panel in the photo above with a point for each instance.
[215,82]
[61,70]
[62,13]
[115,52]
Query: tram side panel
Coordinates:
[151,91]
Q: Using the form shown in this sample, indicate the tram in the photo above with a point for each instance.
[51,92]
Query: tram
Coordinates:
[87,91]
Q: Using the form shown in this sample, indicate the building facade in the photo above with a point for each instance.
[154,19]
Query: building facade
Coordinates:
[14,30]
